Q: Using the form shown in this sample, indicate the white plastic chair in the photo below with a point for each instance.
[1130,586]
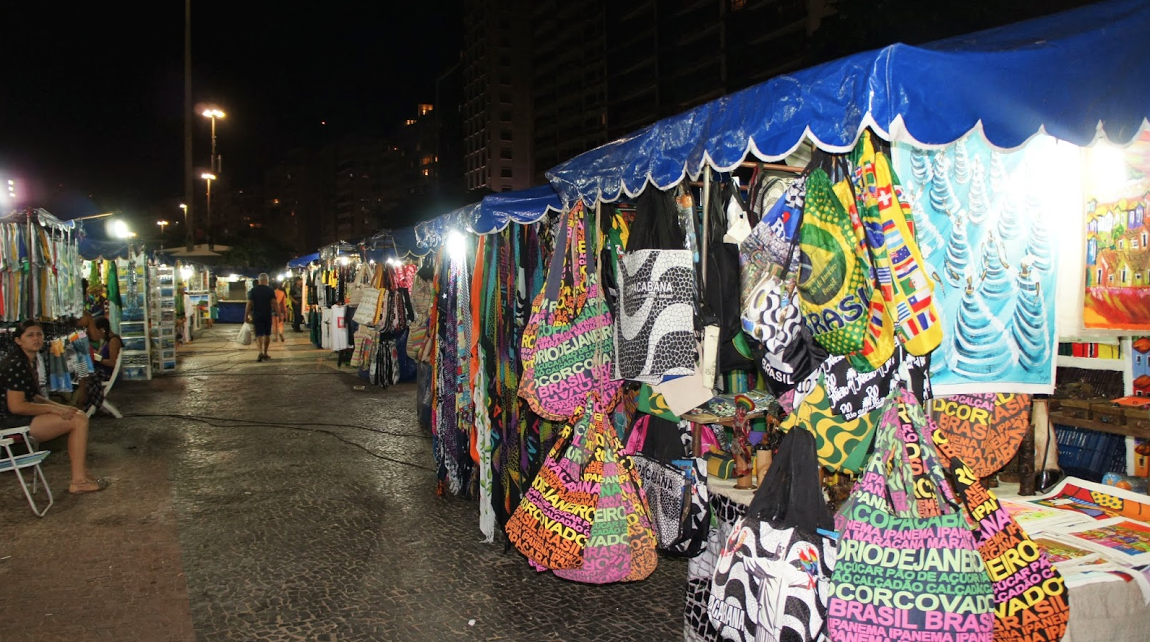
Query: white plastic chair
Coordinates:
[10,462]
[108,388]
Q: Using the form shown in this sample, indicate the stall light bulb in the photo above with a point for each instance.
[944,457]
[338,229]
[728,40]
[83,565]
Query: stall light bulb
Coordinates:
[1108,170]
[456,245]
[343,260]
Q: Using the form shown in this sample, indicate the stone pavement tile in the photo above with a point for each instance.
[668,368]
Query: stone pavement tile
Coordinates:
[306,510]
[102,566]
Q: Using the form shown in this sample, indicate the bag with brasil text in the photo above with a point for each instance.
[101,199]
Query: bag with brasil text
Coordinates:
[1031,602]
[901,572]
[568,342]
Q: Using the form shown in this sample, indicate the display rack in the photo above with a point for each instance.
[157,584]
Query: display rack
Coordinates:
[162,297]
[137,361]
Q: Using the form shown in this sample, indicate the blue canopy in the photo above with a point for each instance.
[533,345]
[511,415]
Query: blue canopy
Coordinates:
[302,261]
[490,215]
[92,249]
[429,234]
[405,240]
[522,206]
[1076,75]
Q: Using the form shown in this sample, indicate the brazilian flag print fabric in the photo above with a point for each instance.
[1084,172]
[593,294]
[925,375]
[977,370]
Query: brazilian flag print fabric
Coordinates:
[835,280]
[890,235]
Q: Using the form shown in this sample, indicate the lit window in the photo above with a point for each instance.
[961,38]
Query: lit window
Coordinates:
[427,172]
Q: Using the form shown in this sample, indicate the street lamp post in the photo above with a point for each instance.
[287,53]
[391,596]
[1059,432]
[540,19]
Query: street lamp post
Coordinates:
[163,228]
[212,113]
[209,177]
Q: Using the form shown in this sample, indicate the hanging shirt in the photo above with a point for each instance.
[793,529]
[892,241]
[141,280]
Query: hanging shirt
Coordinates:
[339,337]
[325,327]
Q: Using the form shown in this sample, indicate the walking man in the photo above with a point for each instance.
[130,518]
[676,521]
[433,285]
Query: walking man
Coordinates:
[259,314]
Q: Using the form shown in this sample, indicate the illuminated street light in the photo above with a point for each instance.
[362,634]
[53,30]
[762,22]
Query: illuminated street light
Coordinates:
[163,228]
[209,177]
[119,229]
[212,113]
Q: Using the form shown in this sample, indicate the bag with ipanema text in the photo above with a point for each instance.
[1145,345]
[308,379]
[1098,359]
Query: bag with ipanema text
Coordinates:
[568,341]
[584,516]
[1031,602]
[553,521]
[621,544]
[907,566]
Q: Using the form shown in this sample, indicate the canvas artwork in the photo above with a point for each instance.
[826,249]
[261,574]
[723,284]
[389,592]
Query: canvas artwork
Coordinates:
[983,222]
[1117,192]
[1033,518]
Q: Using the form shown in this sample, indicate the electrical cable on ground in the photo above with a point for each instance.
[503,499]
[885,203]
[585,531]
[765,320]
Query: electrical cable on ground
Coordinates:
[273,424]
[241,423]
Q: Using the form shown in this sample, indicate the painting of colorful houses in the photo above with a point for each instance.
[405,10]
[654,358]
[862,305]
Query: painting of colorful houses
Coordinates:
[1118,248]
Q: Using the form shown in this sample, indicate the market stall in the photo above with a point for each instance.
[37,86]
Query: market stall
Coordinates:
[922,213]
[356,298]
[980,207]
[41,277]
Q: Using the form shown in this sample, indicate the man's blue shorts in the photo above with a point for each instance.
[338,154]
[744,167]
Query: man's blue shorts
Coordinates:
[262,325]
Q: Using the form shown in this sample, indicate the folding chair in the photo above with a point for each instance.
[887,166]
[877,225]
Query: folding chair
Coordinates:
[32,460]
[108,388]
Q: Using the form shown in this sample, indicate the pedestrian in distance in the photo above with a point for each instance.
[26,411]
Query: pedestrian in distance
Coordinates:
[297,303]
[259,313]
[279,312]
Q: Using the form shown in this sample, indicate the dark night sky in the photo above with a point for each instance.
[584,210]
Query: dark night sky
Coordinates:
[92,93]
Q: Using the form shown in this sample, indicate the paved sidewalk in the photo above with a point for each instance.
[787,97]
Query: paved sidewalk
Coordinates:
[272,501]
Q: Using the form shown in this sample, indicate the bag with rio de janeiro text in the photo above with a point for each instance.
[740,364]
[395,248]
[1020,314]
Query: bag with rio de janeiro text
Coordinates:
[907,564]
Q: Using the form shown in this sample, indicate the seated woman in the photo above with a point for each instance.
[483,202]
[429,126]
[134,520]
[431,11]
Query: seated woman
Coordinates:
[23,405]
[110,346]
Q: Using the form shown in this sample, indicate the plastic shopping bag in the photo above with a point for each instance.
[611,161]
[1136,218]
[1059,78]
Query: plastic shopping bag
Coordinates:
[245,335]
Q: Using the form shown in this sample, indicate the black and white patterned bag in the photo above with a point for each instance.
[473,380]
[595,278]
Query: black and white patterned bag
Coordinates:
[655,331]
[658,295]
[772,577]
[668,491]
[676,496]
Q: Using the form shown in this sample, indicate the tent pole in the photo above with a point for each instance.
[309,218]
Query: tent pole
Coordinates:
[706,218]
[772,166]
